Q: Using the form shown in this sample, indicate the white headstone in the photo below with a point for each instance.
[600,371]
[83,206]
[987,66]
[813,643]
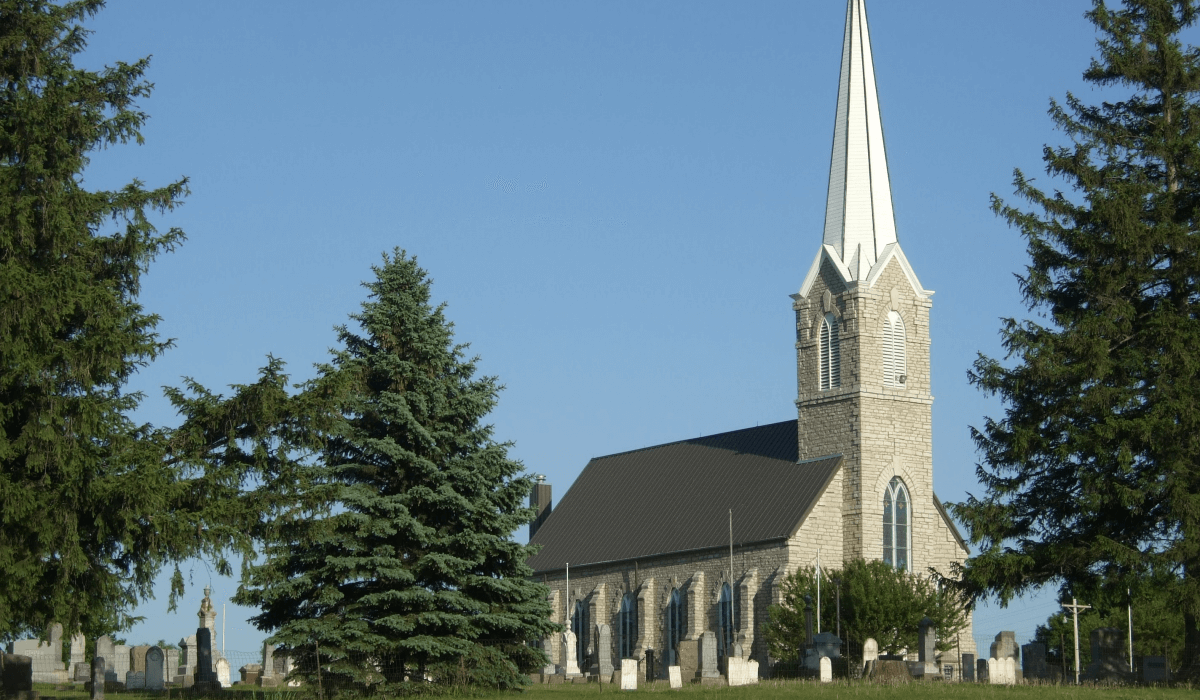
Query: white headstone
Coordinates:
[676,676]
[629,674]
[752,670]
[826,670]
[736,671]
[995,672]
[223,672]
[870,650]
[155,668]
[1010,670]
[135,680]
[78,642]
[120,662]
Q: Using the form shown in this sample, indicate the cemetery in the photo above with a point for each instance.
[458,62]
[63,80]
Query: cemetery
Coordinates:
[35,670]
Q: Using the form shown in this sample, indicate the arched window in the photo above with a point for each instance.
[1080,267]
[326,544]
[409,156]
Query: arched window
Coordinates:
[830,354]
[896,525]
[579,625]
[627,626]
[724,622]
[674,627]
[895,358]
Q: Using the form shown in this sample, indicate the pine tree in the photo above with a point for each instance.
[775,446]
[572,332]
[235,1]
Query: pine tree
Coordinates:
[403,563]
[1092,476]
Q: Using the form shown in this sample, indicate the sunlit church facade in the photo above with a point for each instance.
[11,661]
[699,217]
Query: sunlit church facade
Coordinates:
[646,533]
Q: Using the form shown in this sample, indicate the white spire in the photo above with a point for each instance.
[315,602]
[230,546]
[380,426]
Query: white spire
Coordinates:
[859,222]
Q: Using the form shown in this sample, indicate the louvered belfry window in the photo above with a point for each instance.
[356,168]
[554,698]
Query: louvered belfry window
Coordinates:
[895,359]
[830,360]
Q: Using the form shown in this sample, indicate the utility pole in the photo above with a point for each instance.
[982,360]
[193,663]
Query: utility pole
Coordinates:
[1075,609]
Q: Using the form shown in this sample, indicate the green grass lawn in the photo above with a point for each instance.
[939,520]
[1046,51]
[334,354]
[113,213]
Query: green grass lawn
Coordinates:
[766,690]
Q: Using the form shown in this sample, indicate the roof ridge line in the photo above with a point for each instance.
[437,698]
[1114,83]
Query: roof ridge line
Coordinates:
[700,437]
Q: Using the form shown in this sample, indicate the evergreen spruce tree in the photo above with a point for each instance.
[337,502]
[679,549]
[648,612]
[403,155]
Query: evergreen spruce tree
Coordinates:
[92,504]
[1092,476]
[76,474]
[403,562]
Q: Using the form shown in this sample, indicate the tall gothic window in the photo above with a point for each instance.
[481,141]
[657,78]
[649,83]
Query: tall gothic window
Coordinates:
[896,525]
[724,621]
[674,627]
[830,354]
[895,359]
[579,624]
[627,626]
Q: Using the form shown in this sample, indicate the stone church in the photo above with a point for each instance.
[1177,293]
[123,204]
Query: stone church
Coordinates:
[646,533]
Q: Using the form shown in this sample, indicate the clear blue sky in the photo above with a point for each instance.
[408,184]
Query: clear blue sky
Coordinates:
[615,199]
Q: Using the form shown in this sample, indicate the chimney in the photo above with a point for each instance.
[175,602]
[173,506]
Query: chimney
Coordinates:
[540,500]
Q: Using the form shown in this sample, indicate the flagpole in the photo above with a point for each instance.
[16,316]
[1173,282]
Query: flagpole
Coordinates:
[731,616]
[818,590]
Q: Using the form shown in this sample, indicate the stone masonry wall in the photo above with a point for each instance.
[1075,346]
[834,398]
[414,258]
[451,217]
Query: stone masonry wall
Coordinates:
[756,568]
[881,431]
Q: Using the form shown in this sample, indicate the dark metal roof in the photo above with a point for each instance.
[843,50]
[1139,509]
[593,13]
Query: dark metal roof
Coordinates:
[676,497]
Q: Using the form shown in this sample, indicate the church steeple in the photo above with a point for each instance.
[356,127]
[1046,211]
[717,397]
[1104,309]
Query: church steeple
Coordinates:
[859,222]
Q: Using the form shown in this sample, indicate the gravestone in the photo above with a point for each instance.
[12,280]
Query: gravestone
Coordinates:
[83,672]
[926,664]
[736,671]
[188,651]
[687,658]
[570,663]
[708,656]
[106,650]
[250,673]
[737,650]
[981,670]
[1154,669]
[1005,645]
[98,674]
[1033,661]
[826,670]
[629,674]
[675,675]
[267,678]
[45,657]
[223,672]
[206,675]
[155,668]
[137,657]
[287,672]
[78,645]
[1108,655]
[603,656]
[870,650]
[170,664]
[135,680]
[119,665]
[968,667]
[752,671]
[16,674]
[995,672]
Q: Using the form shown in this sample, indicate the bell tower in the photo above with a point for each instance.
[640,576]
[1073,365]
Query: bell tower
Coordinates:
[862,337]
